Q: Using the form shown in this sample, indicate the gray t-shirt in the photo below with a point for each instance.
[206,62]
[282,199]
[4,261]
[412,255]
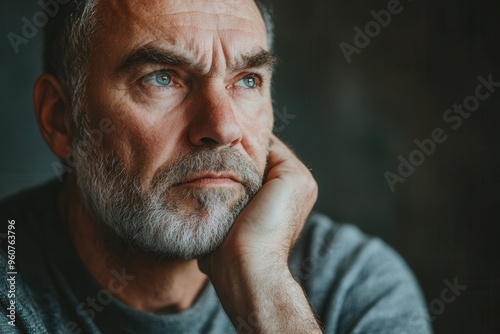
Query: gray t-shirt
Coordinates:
[354,283]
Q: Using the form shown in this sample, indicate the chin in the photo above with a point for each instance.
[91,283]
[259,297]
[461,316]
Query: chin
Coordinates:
[202,201]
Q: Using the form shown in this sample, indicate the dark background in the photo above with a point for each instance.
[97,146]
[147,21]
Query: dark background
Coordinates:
[352,122]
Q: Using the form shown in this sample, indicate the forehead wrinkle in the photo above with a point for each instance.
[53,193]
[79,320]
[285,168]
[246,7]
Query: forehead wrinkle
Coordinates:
[142,10]
[179,57]
[129,10]
[181,28]
[238,9]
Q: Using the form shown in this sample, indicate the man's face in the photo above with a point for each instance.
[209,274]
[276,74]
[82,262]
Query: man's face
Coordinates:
[186,85]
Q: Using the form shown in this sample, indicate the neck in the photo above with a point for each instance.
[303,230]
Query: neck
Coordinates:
[138,279]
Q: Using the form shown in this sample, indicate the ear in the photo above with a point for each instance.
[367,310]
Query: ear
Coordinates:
[53,113]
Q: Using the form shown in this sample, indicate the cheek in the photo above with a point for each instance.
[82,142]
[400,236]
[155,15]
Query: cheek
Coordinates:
[148,148]
[144,136]
[257,134]
[142,144]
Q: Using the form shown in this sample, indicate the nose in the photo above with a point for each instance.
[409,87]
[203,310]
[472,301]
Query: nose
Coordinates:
[214,121]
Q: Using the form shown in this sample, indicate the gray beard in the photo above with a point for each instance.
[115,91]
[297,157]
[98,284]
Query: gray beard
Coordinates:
[164,219]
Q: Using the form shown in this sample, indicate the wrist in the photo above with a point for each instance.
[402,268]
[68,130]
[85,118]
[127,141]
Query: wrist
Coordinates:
[247,263]
[247,290]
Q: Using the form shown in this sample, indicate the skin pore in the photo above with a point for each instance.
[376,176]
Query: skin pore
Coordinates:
[174,77]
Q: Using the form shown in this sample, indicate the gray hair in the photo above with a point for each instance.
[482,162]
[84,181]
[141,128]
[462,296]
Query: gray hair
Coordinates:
[68,42]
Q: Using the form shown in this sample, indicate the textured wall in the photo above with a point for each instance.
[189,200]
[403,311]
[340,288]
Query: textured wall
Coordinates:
[355,120]
[350,123]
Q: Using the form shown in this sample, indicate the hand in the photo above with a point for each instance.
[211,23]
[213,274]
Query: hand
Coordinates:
[267,229]
[250,269]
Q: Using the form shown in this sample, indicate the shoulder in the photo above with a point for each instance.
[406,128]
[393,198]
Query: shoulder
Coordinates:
[356,282]
[27,213]
[325,243]
[18,309]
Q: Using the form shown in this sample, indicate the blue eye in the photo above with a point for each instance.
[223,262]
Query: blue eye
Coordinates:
[248,82]
[159,79]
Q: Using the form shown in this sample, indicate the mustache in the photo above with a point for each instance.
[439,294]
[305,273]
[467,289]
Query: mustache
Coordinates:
[209,160]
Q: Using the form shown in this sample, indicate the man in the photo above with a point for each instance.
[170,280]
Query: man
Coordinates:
[180,211]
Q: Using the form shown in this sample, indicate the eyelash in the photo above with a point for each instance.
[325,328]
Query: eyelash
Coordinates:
[150,75]
[256,76]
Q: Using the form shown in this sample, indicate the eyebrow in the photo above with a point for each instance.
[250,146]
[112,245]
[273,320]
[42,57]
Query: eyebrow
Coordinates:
[153,55]
[261,58]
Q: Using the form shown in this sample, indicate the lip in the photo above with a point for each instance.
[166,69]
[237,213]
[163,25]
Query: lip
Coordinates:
[210,179]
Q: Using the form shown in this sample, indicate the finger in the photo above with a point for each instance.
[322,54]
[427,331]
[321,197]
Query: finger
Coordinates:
[277,146]
[281,158]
